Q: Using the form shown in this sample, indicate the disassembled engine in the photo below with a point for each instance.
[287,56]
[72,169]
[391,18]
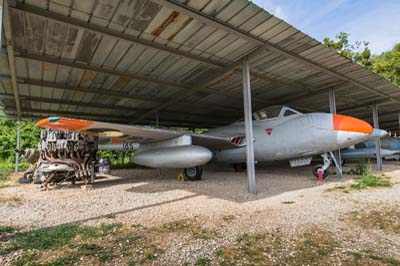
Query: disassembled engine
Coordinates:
[66,156]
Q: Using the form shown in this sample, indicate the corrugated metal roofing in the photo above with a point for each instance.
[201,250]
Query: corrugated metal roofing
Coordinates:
[123,61]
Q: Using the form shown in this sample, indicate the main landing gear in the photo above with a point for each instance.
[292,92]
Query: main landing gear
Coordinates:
[194,173]
[322,171]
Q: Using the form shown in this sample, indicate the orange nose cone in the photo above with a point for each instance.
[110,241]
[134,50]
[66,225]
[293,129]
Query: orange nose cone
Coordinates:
[348,123]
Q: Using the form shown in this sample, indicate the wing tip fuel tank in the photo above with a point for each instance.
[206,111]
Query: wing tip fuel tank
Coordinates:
[174,157]
[63,123]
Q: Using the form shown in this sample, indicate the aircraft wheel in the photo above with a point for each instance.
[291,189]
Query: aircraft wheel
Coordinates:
[343,162]
[194,173]
[315,172]
[239,167]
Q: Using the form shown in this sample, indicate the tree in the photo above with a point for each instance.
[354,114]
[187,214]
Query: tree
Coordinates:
[387,64]
[30,135]
[358,52]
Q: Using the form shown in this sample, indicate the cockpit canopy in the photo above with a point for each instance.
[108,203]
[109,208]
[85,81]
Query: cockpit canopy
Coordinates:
[274,112]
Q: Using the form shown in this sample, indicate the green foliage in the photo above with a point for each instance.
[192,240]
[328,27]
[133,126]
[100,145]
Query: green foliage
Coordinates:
[387,64]
[358,52]
[367,179]
[55,237]
[8,137]
[7,229]
[202,262]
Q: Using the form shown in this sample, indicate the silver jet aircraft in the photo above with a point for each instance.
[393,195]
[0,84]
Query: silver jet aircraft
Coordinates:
[280,133]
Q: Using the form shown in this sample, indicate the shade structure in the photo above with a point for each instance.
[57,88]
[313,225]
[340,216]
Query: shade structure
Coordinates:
[125,61]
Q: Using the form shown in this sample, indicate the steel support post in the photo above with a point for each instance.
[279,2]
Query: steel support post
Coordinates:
[18,142]
[378,140]
[248,121]
[332,106]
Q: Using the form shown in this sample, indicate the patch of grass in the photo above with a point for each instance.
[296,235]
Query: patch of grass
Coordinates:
[288,202]
[15,200]
[55,237]
[387,219]
[228,218]
[188,226]
[344,189]
[5,183]
[366,258]
[370,181]
[367,179]
[389,261]
[4,229]
[314,247]
[27,259]
[106,256]
[110,216]
[202,262]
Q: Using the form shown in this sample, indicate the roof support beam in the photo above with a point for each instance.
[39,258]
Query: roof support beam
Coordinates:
[127,75]
[10,54]
[111,93]
[212,21]
[214,79]
[35,114]
[114,107]
[97,91]
[113,33]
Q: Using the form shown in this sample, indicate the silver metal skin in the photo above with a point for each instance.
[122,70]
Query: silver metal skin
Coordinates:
[174,157]
[125,146]
[367,153]
[295,136]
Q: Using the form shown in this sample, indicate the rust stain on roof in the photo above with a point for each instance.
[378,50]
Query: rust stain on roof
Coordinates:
[120,83]
[170,38]
[157,31]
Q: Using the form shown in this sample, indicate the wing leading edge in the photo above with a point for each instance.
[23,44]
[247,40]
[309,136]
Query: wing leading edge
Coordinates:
[132,133]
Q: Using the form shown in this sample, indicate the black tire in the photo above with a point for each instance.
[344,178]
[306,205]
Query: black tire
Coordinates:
[194,173]
[240,167]
[343,162]
[315,171]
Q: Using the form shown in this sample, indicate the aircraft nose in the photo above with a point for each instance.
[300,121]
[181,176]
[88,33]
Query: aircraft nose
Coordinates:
[351,124]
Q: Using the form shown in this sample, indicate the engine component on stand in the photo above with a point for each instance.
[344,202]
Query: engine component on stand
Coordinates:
[66,156]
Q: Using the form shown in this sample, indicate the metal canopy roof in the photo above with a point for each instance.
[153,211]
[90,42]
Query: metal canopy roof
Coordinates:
[123,61]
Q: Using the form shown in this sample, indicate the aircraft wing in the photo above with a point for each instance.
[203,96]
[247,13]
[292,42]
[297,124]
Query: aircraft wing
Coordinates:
[132,133]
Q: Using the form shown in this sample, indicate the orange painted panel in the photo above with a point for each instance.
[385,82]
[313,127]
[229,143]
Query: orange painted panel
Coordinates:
[64,123]
[348,123]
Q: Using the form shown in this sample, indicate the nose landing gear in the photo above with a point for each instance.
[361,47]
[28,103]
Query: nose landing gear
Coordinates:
[322,171]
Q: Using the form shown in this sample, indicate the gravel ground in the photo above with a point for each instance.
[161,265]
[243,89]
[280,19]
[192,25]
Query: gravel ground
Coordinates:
[287,199]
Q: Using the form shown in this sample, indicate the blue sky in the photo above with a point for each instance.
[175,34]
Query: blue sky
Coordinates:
[375,21]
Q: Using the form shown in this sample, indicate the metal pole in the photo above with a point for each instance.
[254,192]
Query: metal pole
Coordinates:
[18,140]
[157,119]
[248,121]
[332,106]
[378,140]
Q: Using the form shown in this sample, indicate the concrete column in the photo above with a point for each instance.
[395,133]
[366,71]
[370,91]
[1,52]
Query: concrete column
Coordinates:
[248,121]
[18,142]
[332,106]
[378,140]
